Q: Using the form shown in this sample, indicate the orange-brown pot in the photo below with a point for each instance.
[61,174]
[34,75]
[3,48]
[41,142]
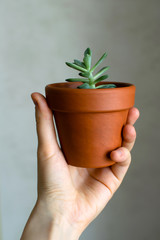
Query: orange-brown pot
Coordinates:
[89,121]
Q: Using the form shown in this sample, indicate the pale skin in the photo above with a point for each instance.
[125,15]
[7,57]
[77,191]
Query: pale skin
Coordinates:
[70,198]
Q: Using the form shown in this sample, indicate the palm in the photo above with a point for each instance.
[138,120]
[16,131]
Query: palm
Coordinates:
[87,191]
[90,182]
[93,193]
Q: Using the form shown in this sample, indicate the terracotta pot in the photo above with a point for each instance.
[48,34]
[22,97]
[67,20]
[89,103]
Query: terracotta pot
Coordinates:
[89,121]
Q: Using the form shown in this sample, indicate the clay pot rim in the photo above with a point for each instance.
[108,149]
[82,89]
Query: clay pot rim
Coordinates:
[64,86]
[69,99]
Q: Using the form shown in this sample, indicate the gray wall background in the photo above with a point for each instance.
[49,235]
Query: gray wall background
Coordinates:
[36,38]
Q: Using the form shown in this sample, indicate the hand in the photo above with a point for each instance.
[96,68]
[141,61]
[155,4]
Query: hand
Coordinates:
[69,198]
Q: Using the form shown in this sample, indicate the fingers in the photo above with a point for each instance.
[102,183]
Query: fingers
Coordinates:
[47,142]
[129,136]
[122,157]
[129,133]
[111,177]
[133,115]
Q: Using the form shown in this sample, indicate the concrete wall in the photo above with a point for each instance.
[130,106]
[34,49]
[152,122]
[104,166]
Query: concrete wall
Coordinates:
[36,38]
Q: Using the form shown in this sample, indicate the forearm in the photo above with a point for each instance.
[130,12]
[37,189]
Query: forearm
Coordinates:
[40,227]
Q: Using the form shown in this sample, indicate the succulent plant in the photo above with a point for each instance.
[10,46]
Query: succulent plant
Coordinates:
[86,71]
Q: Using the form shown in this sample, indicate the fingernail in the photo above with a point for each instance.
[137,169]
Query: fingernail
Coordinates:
[119,152]
[34,101]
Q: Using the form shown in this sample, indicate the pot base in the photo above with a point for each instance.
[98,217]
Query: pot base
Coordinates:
[108,162]
[87,139]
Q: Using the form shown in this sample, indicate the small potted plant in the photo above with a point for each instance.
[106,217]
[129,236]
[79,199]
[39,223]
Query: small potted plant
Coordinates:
[89,113]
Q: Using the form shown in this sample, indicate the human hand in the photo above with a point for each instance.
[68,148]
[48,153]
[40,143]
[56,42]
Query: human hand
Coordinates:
[69,197]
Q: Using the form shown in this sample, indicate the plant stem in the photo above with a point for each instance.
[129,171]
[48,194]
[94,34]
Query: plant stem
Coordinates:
[91,80]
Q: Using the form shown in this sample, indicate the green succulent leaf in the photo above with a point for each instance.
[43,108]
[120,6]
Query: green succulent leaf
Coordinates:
[84,86]
[88,51]
[84,74]
[72,65]
[77,80]
[79,63]
[101,78]
[101,71]
[87,61]
[99,62]
[107,86]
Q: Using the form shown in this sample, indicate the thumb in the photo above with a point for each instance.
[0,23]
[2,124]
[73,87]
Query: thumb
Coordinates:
[47,141]
[52,167]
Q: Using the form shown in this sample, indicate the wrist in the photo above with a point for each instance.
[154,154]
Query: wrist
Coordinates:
[43,225]
[60,226]
[60,229]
